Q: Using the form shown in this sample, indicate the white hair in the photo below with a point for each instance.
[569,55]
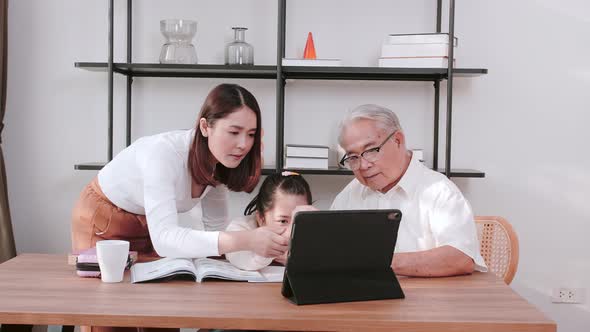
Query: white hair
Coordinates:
[384,118]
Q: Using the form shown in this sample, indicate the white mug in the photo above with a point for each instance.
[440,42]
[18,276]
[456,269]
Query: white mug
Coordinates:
[112,258]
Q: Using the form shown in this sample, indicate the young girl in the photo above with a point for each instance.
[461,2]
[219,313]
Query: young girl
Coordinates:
[279,194]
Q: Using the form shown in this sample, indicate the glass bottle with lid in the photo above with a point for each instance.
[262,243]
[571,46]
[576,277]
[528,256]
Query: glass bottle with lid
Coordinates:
[239,52]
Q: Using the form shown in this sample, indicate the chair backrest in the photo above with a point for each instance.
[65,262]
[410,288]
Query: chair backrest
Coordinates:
[498,245]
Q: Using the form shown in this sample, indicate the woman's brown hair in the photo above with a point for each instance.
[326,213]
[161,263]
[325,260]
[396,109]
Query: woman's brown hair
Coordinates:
[223,100]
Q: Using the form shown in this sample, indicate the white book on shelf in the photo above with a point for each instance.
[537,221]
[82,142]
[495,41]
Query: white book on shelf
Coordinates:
[414,50]
[311,62]
[419,38]
[298,162]
[415,62]
[313,151]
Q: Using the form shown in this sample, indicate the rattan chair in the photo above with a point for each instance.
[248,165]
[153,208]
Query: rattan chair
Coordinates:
[498,245]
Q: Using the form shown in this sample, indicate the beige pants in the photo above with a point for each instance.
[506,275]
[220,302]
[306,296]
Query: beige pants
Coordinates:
[95,218]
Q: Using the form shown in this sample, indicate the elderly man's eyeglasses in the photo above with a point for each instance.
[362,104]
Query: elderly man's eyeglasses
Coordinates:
[370,155]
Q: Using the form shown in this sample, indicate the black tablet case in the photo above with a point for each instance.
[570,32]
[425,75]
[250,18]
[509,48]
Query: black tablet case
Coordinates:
[341,256]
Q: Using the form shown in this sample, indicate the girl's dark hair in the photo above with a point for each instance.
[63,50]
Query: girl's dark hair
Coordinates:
[288,184]
[223,100]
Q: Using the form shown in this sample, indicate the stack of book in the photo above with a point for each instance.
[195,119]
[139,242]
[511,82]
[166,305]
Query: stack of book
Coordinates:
[425,50]
[306,156]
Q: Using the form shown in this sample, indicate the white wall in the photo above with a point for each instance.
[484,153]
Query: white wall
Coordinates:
[523,123]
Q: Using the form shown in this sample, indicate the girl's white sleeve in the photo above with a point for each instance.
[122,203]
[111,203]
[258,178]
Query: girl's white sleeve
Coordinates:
[246,260]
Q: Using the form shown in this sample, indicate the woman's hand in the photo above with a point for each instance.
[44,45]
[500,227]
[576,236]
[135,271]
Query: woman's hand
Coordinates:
[268,241]
[282,259]
[287,235]
[264,241]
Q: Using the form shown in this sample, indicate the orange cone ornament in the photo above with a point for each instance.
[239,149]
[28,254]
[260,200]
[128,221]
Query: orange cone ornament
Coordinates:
[309,52]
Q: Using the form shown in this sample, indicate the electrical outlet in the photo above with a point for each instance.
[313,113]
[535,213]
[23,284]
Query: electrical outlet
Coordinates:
[568,295]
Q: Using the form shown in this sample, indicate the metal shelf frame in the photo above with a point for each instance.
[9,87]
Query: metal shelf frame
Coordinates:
[281,74]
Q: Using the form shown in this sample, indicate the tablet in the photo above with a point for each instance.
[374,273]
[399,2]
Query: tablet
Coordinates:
[342,255]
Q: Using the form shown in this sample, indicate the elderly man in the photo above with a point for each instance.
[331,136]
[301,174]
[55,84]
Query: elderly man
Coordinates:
[437,236]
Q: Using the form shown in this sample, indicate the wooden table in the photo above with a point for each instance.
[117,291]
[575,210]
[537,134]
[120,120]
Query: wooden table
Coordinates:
[44,290]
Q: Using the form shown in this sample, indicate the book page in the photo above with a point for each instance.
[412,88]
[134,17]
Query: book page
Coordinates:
[212,268]
[272,274]
[161,268]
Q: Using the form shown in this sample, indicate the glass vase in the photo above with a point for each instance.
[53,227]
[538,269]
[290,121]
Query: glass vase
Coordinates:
[178,47]
[239,52]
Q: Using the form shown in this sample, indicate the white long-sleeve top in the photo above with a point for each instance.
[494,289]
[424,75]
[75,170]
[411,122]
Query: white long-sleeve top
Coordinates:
[246,260]
[434,211]
[151,178]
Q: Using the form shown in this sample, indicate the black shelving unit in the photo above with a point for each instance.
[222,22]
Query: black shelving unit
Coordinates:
[95,166]
[175,70]
[270,72]
[281,74]
[91,166]
[456,173]
[376,73]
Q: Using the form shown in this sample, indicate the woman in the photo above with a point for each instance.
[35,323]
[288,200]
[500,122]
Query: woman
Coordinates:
[138,195]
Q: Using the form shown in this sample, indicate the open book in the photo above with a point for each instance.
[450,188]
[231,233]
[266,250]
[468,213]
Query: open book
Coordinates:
[200,269]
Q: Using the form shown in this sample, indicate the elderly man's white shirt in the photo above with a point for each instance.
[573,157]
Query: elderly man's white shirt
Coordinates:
[434,211]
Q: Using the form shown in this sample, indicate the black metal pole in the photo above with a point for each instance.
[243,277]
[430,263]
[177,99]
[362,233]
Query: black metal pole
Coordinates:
[436,95]
[110,83]
[436,124]
[438,15]
[450,86]
[280,88]
[129,77]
